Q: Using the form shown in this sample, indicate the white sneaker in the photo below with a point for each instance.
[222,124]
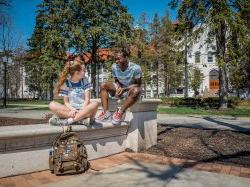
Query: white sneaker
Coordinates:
[58,122]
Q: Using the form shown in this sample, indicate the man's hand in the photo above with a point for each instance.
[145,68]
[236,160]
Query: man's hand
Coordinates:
[120,91]
[73,113]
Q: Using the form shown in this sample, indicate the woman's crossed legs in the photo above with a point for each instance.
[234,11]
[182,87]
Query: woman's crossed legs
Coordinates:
[64,112]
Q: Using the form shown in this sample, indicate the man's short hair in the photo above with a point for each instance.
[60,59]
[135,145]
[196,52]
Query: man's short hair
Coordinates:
[125,52]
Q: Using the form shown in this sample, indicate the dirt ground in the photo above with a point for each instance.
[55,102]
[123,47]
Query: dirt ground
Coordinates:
[6,121]
[221,146]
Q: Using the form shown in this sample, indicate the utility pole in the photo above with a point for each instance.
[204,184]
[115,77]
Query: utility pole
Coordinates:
[22,74]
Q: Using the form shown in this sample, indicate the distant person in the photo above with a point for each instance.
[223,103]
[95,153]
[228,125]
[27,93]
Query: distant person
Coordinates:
[75,89]
[127,84]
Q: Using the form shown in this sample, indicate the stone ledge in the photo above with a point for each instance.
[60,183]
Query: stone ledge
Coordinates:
[15,138]
[21,144]
[142,105]
[9,132]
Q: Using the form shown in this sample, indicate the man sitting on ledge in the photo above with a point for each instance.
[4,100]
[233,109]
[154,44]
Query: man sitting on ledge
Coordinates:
[127,84]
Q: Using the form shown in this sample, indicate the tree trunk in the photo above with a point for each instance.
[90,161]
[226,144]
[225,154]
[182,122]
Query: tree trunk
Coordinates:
[222,88]
[51,87]
[93,73]
[94,61]
[22,80]
[186,68]
[221,49]
[157,79]
[97,83]
[165,86]
[238,93]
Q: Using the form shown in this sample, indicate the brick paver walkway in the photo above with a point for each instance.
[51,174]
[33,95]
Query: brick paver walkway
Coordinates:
[43,177]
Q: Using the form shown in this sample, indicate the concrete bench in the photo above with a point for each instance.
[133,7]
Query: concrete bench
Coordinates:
[25,148]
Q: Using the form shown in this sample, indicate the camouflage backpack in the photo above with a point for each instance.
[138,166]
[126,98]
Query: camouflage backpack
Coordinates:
[68,154]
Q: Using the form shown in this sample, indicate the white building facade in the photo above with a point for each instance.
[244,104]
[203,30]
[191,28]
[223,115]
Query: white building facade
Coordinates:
[202,55]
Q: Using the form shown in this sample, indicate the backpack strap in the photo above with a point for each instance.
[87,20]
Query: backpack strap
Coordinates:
[69,83]
[82,83]
[64,135]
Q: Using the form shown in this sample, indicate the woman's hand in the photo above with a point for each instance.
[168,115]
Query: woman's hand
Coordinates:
[73,113]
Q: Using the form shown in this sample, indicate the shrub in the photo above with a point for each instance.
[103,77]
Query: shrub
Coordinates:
[233,102]
[211,102]
[245,102]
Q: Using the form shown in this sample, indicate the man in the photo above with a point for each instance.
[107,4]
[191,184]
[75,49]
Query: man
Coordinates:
[127,84]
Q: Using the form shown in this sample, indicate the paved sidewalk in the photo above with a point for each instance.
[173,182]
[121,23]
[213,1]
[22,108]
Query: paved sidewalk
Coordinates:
[208,122]
[139,169]
[152,175]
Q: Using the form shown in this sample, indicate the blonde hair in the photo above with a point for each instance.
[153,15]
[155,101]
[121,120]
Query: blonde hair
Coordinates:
[70,68]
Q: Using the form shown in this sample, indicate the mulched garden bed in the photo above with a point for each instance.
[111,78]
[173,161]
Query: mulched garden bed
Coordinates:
[6,121]
[220,146]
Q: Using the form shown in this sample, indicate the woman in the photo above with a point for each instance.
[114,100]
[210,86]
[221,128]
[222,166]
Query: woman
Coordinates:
[75,89]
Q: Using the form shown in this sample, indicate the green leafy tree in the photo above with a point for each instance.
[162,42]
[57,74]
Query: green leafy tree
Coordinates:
[76,26]
[140,52]
[4,42]
[155,45]
[238,77]
[106,24]
[32,63]
[157,53]
[238,48]
[48,44]
[196,81]
[218,18]
[171,68]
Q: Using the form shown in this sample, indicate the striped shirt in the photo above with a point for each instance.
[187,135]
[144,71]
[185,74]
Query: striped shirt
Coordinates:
[128,76]
[75,91]
[83,84]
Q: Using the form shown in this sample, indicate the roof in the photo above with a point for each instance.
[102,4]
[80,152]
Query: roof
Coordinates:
[103,53]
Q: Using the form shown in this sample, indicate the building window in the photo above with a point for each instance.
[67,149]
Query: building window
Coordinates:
[197,57]
[210,57]
[179,90]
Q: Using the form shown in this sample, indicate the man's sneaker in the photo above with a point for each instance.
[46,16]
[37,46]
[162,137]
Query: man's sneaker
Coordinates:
[58,122]
[104,116]
[117,118]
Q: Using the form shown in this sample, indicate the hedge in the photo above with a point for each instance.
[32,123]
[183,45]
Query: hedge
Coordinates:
[211,102]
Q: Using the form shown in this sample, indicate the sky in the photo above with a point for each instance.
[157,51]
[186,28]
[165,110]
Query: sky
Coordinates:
[23,13]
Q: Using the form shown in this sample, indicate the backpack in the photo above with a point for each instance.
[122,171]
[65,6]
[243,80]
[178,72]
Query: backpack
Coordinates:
[68,154]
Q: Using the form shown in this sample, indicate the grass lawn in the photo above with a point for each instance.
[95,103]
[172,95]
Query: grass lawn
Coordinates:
[27,104]
[43,105]
[25,107]
[240,112]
